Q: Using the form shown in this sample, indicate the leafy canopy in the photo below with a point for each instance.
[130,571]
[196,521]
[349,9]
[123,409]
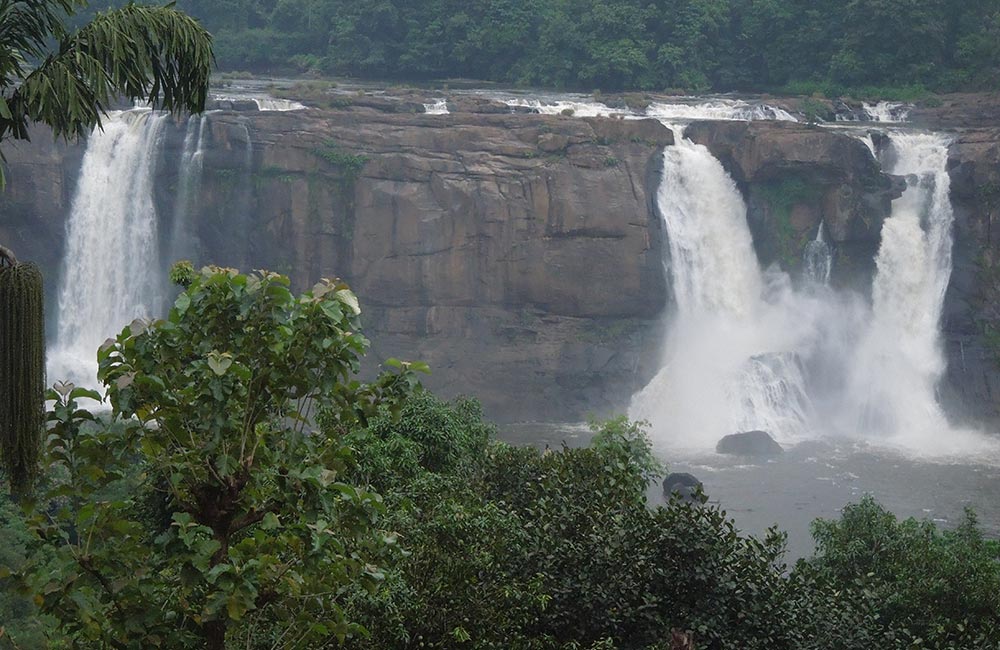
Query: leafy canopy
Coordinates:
[206,492]
[68,79]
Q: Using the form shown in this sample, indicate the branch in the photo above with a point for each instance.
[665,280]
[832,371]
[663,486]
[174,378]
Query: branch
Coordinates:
[252,517]
[84,563]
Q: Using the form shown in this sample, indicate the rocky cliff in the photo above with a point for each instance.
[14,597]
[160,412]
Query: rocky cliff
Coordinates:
[520,255]
[798,176]
[972,305]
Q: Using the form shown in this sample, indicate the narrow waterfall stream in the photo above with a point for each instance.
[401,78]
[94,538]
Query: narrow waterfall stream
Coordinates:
[183,243]
[899,361]
[111,271]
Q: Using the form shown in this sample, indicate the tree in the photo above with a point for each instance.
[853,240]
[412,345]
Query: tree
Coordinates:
[206,493]
[67,80]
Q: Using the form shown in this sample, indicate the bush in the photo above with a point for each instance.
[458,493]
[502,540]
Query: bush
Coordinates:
[907,583]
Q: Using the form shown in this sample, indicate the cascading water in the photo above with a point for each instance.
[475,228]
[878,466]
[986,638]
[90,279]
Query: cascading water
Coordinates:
[748,350]
[182,241]
[732,355]
[886,112]
[690,109]
[899,362]
[264,102]
[439,107]
[111,273]
[818,258]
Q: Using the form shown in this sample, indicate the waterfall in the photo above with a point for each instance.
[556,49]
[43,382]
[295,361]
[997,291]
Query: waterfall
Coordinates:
[899,362]
[746,349]
[439,107]
[712,260]
[111,271]
[733,352]
[182,240]
[817,259]
[886,112]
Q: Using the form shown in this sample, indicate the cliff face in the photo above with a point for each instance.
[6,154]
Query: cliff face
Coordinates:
[972,305]
[521,256]
[41,178]
[795,177]
[517,255]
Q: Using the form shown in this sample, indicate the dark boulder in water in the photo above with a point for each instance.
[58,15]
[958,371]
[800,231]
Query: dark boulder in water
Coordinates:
[687,487]
[749,443]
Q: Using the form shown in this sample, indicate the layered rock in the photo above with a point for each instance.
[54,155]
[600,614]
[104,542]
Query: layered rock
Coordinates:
[517,254]
[971,325]
[41,178]
[520,255]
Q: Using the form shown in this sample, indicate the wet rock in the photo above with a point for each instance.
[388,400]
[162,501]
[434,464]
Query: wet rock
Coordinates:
[749,443]
[686,486]
[795,176]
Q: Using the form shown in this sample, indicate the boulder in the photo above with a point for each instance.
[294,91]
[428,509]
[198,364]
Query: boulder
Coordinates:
[686,486]
[749,443]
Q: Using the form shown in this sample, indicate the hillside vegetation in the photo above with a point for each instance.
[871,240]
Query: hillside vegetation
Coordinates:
[868,47]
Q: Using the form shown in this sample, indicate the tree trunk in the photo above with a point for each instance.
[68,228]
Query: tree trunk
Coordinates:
[215,635]
[681,640]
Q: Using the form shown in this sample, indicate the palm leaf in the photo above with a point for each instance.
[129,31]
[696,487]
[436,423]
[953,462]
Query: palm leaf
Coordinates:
[156,55]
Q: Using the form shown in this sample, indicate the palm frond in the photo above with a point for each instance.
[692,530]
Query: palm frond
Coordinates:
[156,55]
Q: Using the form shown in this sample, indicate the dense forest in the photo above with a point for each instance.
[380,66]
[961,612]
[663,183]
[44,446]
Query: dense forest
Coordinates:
[800,46]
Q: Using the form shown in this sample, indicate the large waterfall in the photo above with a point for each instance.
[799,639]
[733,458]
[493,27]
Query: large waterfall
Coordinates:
[747,349]
[731,357]
[111,273]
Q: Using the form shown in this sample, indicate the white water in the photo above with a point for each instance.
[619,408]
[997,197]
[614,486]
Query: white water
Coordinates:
[886,112]
[685,109]
[718,110]
[575,108]
[899,361]
[263,102]
[731,360]
[439,107]
[818,258]
[182,240]
[747,349]
[111,273]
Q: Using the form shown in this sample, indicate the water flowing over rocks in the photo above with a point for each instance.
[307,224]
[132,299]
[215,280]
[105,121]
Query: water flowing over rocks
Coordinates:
[795,177]
[519,254]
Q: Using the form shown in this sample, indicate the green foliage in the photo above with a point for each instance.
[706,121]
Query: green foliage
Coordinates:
[350,164]
[902,584]
[515,548]
[623,436]
[22,371]
[205,493]
[68,79]
[21,626]
[891,49]
[781,197]
[816,110]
